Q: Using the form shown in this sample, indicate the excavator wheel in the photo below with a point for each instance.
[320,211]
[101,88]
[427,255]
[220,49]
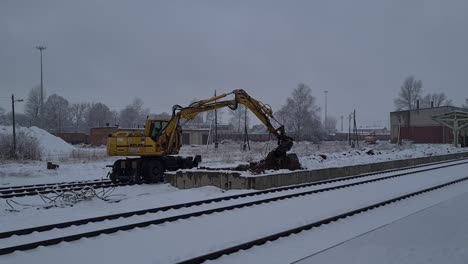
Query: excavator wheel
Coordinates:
[153,171]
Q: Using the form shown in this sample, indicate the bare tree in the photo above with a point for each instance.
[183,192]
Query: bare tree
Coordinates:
[134,115]
[3,118]
[33,105]
[56,113]
[300,114]
[78,113]
[128,117]
[20,119]
[98,115]
[436,99]
[466,104]
[330,126]
[410,93]
[238,118]
[115,118]
[162,115]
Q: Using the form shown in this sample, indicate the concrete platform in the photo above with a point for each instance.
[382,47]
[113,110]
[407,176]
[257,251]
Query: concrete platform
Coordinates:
[233,180]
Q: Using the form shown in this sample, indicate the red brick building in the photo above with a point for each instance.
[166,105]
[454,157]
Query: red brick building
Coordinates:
[418,126]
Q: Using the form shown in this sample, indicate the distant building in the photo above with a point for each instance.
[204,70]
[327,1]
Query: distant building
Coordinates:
[418,126]
[73,138]
[373,130]
[195,136]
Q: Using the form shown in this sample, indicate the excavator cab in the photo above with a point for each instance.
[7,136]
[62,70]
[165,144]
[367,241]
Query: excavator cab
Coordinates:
[155,126]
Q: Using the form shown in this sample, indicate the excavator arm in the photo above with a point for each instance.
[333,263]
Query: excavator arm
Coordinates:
[261,111]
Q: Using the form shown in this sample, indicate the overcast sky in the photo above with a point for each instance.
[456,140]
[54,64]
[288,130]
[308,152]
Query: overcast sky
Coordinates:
[169,52]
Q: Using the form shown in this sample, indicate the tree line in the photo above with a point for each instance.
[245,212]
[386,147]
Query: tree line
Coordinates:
[300,115]
[411,93]
[57,114]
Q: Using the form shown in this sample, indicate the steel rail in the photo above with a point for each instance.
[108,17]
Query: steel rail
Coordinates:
[273,237]
[182,216]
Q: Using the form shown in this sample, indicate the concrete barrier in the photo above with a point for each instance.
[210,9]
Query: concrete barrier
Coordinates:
[233,180]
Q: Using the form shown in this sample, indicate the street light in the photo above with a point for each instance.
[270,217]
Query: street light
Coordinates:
[41,48]
[13,101]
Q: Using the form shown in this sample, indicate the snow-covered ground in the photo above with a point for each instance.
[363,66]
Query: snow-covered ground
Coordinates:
[437,234]
[312,156]
[32,172]
[78,163]
[429,228]
[316,156]
[179,240]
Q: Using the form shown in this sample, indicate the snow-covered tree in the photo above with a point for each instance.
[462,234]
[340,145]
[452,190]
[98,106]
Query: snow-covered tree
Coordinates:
[239,117]
[33,105]
[410,93]
[78,113]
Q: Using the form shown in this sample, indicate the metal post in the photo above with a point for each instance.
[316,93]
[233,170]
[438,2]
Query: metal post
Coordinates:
[349,129]
[13,120]
[342,123]
[216,126]
[41,48]
[246,133]
[14,126]
[326,124]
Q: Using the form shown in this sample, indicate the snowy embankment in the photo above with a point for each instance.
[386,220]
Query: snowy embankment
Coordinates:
[51,147]
[373,154]
[76,164]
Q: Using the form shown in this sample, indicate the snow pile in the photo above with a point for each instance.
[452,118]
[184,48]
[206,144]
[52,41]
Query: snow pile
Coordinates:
[52,147]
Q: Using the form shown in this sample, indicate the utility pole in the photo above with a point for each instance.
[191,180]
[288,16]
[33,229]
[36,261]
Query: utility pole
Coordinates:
[326,124]
[216,126]
[355,128]
[342,123]
[13,119]
[41,48]
[246,133]
[349,128]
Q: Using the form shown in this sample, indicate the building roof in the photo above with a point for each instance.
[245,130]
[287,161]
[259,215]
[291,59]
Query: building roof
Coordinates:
[449,108]
[460,115]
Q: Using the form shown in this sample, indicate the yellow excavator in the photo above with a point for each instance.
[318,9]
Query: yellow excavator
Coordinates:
[158,145]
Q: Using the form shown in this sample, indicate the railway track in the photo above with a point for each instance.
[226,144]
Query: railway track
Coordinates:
[35,189]
[270,238]
[250,199]
[29,190]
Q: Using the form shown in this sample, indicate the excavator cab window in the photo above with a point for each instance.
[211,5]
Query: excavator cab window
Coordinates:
[156,127]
